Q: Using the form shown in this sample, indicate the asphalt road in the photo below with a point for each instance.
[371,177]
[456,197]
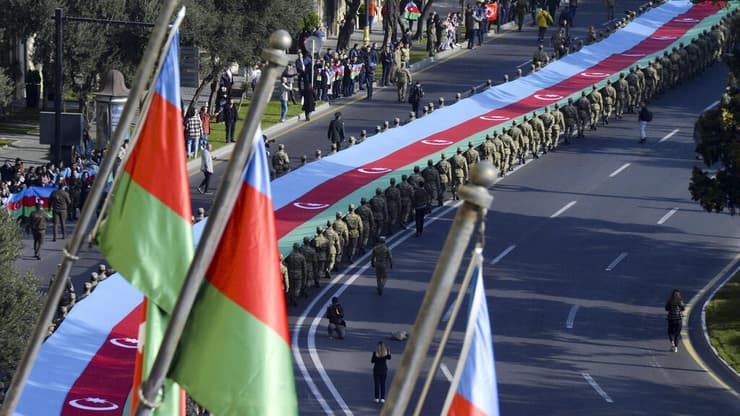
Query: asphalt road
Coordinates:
[558,265]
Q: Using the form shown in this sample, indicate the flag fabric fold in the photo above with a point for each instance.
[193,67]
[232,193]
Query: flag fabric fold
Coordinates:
[474,391]
[234,355]
[147,232]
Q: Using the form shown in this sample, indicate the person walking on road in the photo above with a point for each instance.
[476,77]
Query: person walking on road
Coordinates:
[335,314]
[644,117]
[544,19]
[403,79]
[415,96]
[38,221]
[422,206]
[230,117]
[675,308]
[206,166]
[60,203]
[336,130]
[381,260]
[380,358]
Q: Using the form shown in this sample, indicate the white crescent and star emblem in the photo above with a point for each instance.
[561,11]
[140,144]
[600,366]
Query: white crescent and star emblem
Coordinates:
[548,97]
[665,37]
[125,342]
[437,142]
[374,171]
[495,118]
[595,74]
[93,403]
[310,205]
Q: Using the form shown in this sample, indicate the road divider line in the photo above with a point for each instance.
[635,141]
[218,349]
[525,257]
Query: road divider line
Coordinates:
[503,254]
[563,209]
[446,371]
[710,106]
[571,316]
[668,136]
[448,312]
[524,64]
[618,171]
[665,217]
[616,261]
[590,380]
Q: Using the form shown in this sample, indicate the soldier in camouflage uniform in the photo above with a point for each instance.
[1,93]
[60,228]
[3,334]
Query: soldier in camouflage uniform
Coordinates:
[297,269]
[286,279]
[382,261]
[527,139]
[511,149]
[558,127]
[640,72]
[334,247]
[597,106]
[651,81]
[459,172]
[692,51]
[623,96]
[516,134]
[321,244]
[610,95]
[498,151]
[445,176]
[472,156]
[548,121]
[487,150]
[539,132]
[684,63]
[634,97]
[570,114]
[432,182]
[341,228]
[584,113]
[393,202]
[368,223]
[354,230]
[406,190]
[312,265]
[665,76]
[280,161]
[416,177]
[675,66]
[380,213]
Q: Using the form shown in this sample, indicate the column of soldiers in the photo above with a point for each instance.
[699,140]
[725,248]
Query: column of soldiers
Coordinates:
[351,235]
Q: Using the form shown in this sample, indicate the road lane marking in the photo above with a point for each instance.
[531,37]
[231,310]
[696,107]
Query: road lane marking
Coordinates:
[665,217]
[710,106]
[590,380]
[503,254]
[571,316]
[446,371]
[524,64]
[616,261]
[668,136]
[618,171]
[448,313]
[563,209]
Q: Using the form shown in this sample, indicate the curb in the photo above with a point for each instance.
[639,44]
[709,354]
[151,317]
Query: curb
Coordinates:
[710,297]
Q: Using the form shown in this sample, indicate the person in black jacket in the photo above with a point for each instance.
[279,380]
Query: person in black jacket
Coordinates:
[422,206]
[336,130]
[644,117]
[230,116]
[675,308]
[335,314]
[381,356]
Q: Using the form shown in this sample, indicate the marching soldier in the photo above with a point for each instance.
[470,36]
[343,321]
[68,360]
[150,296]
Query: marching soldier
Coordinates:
[471,155]
[322,244]
[511,149]
[406,191]
[665,75]
[633,88]
[38,220]
[355,229]
[416,177]
[651,81]
[498,151]
[548,123]
[445,176]
[382,261]
[584,113]
[639,72]
[539,59]
[570,114]
[527,139]
[334,246]
[284,274]
[459,172]
[432,181]
[610,95]
[623,96]
[297,269]
[368,223]
[393,201]
[558,127]
[280,161]
[539,132]
[516,135]
[341,228]
[597,104]
[312,265]
[380,213]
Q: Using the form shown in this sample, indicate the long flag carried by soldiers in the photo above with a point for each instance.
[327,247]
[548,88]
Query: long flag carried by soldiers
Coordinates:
[147,232]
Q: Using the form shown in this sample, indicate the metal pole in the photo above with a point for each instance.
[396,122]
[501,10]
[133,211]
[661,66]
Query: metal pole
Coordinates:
[88,210]
[476,197]
[58,84]
[223,204]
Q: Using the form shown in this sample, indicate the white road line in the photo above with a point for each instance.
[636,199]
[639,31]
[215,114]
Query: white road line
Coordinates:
[710,106]
[618,171]
[526,63]
[448,312]
[446,371]
[563,209]
[616,261]
[503,254]
[596,387]
[571,316]
[668,136]
[665,217]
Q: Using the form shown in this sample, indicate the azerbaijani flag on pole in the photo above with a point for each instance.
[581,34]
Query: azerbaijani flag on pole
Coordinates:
[474,391]
[147,233]
[411,11]
[234,355]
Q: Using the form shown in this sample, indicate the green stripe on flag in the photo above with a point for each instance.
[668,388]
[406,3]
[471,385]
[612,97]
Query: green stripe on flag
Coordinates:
[147,242]
[231,362]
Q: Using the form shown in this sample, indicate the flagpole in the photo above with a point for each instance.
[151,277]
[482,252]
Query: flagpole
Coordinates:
[151,53]
[476,197]
[474,261]
[222,206]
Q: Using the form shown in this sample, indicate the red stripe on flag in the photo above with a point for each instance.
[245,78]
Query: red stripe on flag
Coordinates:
[104,385]
[246,268]
[151,164]
[462,407]
[293,215]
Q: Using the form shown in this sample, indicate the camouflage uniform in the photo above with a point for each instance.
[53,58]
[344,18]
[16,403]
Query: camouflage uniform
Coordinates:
[341,228]
[381,260]
[432,182]
[570,114]
[322,244]
[584,113]
[558,127]
[511,150]
[334,246]
[597,105]
[459,172]
[280,161]
[471,155]
[633,88]
[610,95]
[623,96]
[297,269]
[393,201]
[368,223]
[539,131]
[406,190]
[312,265]
[380,213]
[516,134]
[445,176]
[354,229]
[548,122]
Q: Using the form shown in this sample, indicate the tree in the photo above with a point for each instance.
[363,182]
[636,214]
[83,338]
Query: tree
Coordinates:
[6,90]
[391,21]
[423,19]
[21,300]
[348,23]
[719,132]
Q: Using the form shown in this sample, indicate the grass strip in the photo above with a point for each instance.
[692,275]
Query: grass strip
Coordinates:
[723,322]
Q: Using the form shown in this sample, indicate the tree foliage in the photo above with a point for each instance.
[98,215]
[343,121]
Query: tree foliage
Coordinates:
[21,300]
[7,91]
[719,131]
[348,25]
